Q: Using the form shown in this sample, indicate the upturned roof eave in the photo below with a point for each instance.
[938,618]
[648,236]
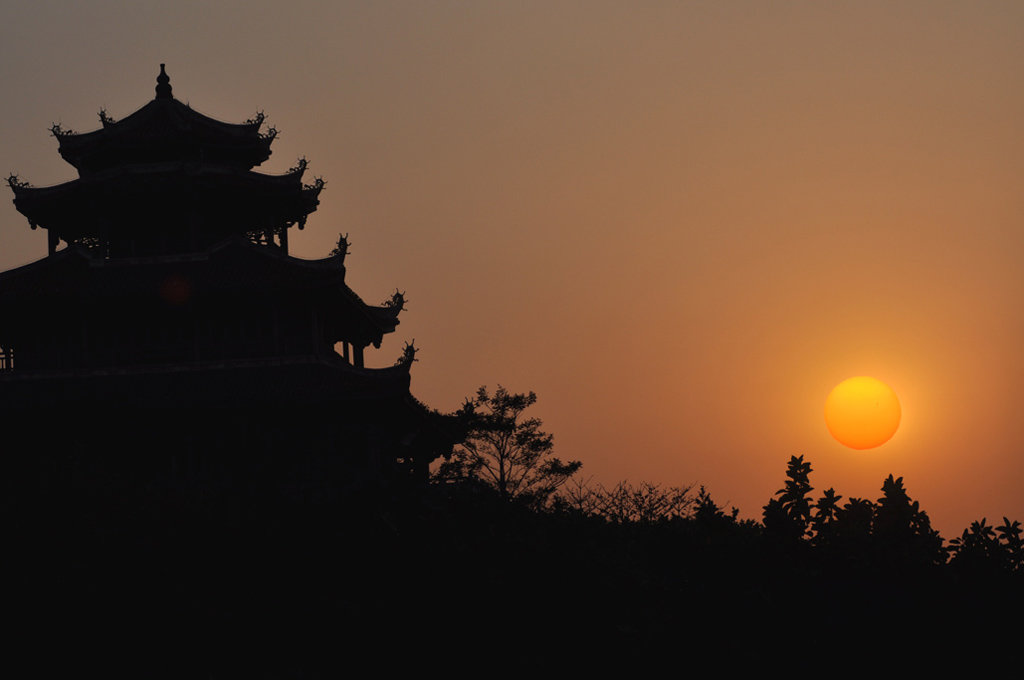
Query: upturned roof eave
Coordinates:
[213,271]
[384,318]
[177,119]
[40,205]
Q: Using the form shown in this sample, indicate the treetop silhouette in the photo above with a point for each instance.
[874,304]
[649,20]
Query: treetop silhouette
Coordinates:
[506,450]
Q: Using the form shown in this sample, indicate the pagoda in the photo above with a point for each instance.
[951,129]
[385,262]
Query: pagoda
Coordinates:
[168,332]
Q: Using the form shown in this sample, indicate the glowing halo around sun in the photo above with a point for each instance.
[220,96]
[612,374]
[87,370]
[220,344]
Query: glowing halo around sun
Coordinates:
[862,413]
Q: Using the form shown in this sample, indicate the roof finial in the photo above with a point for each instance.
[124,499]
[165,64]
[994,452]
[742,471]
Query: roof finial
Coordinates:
[163,85]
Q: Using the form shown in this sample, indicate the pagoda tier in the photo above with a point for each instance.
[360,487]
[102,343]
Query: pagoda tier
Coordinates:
[161,208]
[165,130]
[167,180]
[236,301]
[219,419]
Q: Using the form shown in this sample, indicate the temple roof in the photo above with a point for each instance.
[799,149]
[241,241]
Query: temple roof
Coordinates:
[235,267]
[166,130]
[236,199]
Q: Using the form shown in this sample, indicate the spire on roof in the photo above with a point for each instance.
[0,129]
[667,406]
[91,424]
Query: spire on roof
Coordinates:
[163,85]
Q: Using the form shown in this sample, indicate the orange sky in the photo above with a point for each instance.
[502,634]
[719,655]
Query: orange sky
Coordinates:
[680,223]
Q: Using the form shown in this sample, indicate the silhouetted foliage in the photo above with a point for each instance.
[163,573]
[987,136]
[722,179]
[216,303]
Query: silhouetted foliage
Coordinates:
[978,542]
[707,512]
[853,526]
[902,531]
[825,521]
[577,497]
[623,503]
[983,550]
[789,516]
[1013,546]
[893,533]
[506,450]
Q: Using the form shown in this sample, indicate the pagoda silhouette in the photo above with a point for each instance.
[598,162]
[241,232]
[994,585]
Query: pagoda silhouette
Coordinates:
[174,336]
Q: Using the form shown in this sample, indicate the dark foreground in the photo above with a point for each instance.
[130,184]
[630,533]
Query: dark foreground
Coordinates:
[188,580]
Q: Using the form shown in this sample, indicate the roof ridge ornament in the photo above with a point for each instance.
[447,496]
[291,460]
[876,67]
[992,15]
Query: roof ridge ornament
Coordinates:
[163,85]
[408,354]
[341,250]
[397,301]
[16,182]
[257,120]
[57,131]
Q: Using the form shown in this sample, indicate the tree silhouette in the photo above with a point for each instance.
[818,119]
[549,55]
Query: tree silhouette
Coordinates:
[980,550]
[789,515]
[825,522]
[507,451]
[707,512]
[1013,547]
[902,531]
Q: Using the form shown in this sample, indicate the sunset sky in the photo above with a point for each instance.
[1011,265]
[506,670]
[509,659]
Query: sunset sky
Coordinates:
[680,223]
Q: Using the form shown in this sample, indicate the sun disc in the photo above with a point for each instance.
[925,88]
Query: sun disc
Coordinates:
[862,413]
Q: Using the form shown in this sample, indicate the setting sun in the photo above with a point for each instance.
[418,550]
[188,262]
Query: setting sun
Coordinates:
[862,413]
